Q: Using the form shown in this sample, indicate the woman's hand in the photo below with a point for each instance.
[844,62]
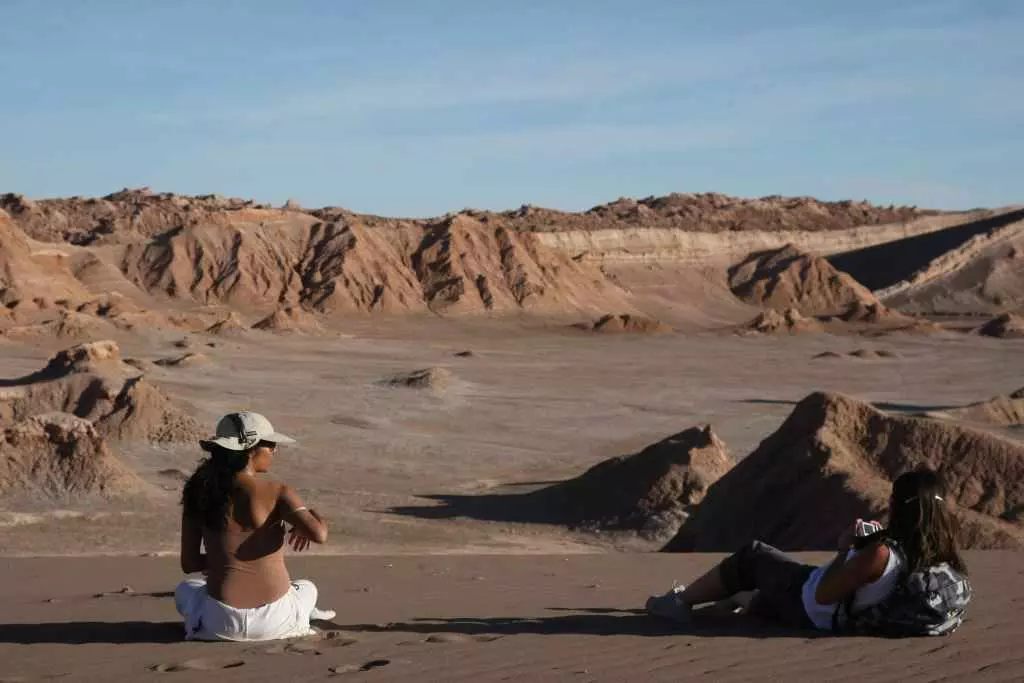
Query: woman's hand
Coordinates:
[846,538]
[298,540]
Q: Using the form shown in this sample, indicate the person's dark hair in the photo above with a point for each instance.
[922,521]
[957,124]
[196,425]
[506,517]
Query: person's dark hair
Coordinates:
[207,493]
[921,522]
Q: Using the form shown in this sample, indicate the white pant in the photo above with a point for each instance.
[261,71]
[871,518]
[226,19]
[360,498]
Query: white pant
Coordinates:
[209,619]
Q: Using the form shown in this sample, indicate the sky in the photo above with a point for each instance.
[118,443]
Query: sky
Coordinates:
[414,108]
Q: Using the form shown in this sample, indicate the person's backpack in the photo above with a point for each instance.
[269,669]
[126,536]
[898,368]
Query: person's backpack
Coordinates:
[930,601]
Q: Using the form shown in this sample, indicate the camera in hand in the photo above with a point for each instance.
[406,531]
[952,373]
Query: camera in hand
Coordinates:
[867,533]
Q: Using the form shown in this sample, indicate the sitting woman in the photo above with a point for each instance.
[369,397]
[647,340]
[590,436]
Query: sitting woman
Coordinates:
[804,596]
[240,519]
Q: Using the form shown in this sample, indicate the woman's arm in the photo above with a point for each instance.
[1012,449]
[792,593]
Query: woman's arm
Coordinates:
[192,557]
[843,577]
[307,523]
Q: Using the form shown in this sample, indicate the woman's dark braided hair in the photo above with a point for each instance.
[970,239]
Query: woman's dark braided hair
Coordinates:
[207,493]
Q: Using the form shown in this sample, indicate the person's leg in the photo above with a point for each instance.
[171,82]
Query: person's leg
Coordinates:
[307,594]
[187,594]
[757,566]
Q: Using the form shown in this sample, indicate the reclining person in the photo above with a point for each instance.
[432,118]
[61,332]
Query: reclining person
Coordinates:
[917,553]
[240,520]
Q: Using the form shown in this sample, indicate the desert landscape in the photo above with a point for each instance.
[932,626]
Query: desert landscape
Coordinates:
[506,417]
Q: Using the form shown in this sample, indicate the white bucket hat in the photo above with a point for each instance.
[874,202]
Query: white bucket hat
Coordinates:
[242,431]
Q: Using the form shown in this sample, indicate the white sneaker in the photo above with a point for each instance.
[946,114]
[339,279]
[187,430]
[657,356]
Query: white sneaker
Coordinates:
[669,606]
[322,614]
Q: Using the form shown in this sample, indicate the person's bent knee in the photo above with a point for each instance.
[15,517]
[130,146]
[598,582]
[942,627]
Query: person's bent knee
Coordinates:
[735,571]
[184,594]
[307,592]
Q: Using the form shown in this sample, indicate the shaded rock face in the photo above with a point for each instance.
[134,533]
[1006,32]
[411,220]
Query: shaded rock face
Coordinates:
[790,279]
[626,323]
[92,382]
[651,491]
[1006,326]
[834,459]
[58,455]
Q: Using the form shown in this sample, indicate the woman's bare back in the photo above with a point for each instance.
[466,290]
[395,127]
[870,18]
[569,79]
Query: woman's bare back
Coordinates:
[245,564]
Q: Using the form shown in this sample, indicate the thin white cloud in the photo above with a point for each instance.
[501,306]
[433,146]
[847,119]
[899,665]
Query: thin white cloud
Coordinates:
[498,81]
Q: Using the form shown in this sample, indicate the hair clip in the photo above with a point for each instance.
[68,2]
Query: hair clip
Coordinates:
[937,497]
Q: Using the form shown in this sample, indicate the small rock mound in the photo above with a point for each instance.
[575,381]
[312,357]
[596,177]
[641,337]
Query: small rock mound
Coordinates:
[109,306]
[183,360]
[1005,326]
[834,460]
[635,324]
[788,321]
[873,313]
[231,325]
[789,278]
[98,356]
[92,382]
[289,319]
[871,354]
[652,491]
[59,455]
[434,379]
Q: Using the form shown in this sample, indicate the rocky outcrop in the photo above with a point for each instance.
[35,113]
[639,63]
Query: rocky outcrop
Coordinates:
[834,459]
[650,492]
[58,455]
[92,382]
[788,278]
[789,321]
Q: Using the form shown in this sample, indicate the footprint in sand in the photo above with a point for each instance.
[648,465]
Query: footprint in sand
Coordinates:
[338,639]
[200,664]
[355,668]
[302,648]
[124,590]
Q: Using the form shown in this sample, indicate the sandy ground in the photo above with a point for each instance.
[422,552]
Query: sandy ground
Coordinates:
[535,403]
[475,618]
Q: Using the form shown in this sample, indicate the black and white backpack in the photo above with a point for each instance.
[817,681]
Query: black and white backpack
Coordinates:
[930,601]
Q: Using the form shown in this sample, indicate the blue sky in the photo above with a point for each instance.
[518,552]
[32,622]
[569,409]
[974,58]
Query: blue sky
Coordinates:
[417,108]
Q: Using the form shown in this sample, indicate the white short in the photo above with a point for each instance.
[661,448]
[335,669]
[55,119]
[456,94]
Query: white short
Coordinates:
[210,619]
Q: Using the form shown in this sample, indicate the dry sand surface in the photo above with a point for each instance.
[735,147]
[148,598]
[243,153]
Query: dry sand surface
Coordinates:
[456,425]
[534,404]
[481,618]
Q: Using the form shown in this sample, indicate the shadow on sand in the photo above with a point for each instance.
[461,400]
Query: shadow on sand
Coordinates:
[879,405]
[591,622]
[79,632]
